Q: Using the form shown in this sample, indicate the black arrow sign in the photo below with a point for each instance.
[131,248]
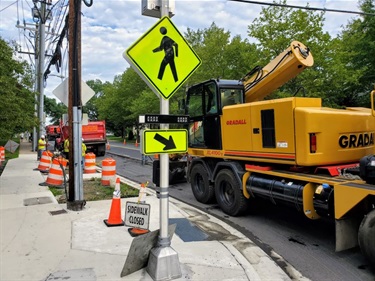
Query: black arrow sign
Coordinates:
[169,144]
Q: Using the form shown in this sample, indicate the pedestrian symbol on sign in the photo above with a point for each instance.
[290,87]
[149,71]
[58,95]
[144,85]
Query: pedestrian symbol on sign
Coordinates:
[164,66]
[169,46]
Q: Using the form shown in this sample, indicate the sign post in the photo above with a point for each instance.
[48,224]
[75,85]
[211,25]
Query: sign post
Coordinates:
[164,60]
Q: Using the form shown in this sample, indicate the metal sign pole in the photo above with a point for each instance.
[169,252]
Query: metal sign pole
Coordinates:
[163,263]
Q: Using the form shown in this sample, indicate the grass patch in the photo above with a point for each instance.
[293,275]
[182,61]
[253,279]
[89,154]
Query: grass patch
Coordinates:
[8,154]
[113,138]
[94,191]
[120,139]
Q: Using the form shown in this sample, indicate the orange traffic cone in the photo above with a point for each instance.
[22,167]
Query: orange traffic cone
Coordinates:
[108,146]
[124,141]
[137,231]
[114,218]
[136,143]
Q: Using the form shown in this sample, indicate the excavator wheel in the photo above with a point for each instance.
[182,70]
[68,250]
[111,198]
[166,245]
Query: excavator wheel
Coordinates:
[200,185]
[366,237]
[228,194]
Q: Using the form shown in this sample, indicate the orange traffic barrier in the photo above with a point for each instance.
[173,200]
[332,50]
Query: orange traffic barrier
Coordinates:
[114,218]
[45,161]
[56,175]
[2,153]
[108,171]
[90,163]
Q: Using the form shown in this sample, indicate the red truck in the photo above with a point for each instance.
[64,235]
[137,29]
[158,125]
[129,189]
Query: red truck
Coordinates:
[93,134]
[53,132]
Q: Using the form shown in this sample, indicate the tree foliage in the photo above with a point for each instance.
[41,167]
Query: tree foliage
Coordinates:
[358,54]
[222,56]
[115,101]
[90,107]
[17,100]
[277,27]
[54,110]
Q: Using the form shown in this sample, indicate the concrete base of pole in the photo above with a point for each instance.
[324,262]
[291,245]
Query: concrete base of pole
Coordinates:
[163,264]
[77,205]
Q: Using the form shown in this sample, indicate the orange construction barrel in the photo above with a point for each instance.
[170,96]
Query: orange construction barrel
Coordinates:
[56,176]
[108,171]
[2,153]
[45,161]
[90,163]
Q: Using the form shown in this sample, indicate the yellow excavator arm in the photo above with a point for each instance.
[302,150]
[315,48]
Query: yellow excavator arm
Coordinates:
[260,82]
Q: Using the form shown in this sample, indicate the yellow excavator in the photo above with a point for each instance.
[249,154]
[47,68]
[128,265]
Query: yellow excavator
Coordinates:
[290,151]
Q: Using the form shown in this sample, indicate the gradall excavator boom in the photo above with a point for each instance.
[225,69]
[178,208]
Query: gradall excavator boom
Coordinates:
[290,151]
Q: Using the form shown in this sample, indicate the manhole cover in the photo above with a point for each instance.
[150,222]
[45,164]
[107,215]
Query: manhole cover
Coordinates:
[37,201]
[58,212]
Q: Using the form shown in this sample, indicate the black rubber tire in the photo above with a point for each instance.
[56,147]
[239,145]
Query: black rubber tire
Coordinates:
[366,237]
[229,195]
[200,185]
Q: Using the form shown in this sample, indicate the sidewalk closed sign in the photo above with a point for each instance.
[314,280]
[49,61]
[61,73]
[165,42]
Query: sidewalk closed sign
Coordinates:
[137,215]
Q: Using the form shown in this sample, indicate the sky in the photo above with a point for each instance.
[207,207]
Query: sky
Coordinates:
[109,27]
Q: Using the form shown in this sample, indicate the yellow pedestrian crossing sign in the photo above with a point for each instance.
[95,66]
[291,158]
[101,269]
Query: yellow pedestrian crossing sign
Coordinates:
[163,58]
[164,141]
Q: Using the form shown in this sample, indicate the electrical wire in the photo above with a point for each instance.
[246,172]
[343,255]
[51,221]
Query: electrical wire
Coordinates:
[304,8]
[3,9]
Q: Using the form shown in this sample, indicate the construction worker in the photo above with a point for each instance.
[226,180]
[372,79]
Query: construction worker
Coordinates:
[83,153]
[66,148]
[42,146]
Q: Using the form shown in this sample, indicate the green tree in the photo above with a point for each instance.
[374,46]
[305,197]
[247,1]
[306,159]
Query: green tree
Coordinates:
[17,112]
[222,56]
[277,27]
[91,106]
[54,110]
[358,53]
[115,102]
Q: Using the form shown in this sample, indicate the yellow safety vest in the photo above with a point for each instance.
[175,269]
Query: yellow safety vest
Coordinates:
[41,144]
[83,149]
[66,145]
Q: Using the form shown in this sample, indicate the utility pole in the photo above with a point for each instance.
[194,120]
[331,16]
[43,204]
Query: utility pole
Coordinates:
[75,200]
[35,134]
[41,58]
[39,54]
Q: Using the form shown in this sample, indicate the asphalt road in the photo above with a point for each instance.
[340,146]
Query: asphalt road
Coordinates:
[285,234]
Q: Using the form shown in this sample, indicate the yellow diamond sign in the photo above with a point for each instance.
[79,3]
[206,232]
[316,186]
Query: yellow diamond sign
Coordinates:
[163,58]
[164,141]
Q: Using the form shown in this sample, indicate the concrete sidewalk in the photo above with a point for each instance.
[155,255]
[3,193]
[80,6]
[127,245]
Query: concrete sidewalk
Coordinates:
[42,240]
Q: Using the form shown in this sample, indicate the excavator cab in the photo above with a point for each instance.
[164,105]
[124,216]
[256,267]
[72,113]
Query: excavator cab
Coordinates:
[204,105]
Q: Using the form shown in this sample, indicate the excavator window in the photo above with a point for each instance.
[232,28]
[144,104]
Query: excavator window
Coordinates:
[231,96]
[210,99]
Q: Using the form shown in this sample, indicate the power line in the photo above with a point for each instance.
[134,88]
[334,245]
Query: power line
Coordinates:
[8,6]
[304,8]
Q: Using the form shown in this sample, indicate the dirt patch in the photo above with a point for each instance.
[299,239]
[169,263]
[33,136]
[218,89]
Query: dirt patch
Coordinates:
[93,190]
